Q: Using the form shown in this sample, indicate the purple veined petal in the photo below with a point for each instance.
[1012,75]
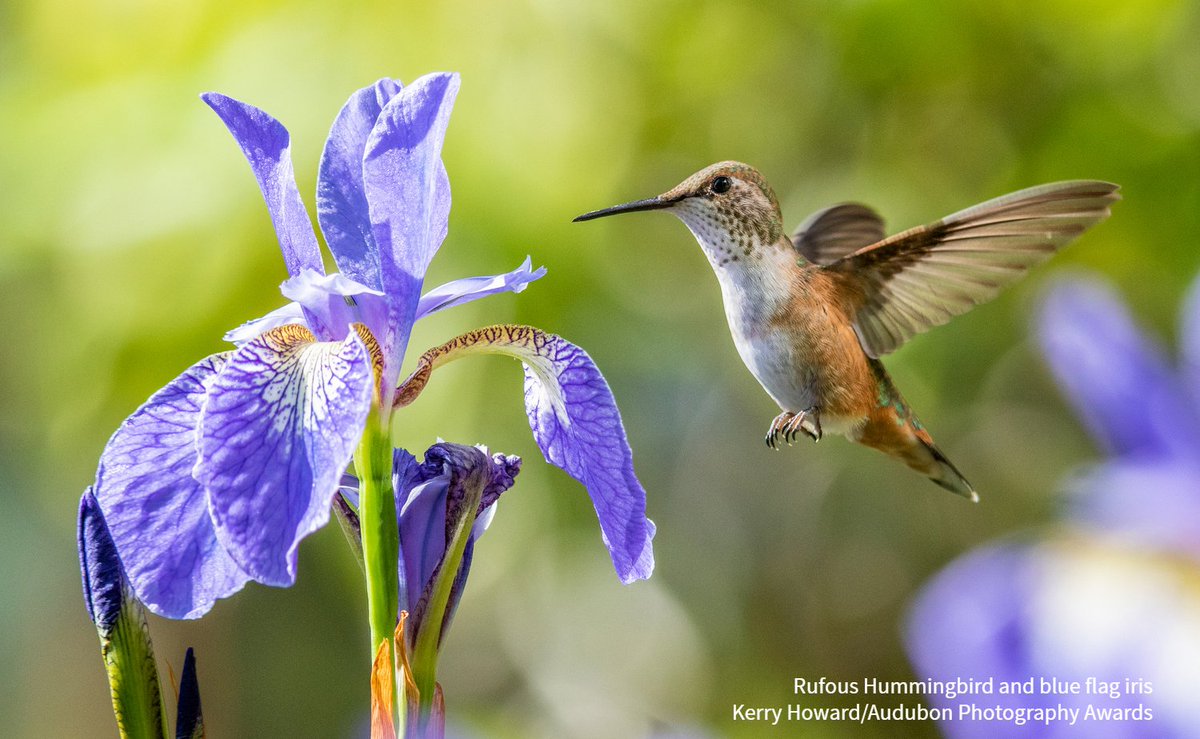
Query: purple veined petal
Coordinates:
[1118,380]
[577,426]
[408,196]
[156,511]
[335,301]
[277,431]
[342,208]
[467,289]
[267,146]
[290,313]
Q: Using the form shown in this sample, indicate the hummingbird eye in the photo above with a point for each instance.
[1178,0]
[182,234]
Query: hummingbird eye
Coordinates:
[720,185]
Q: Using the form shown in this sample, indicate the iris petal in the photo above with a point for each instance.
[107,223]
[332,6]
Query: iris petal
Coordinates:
[335,301]
[1119,381]
[342,208]
[430,504]
[157,513]
[467,289]
[576,424]
[421,512]
[290,313]
[278,429]
[267,147]
[1155,504]
[408,195]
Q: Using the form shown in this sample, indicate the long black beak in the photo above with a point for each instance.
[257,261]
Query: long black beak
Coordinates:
[647,204]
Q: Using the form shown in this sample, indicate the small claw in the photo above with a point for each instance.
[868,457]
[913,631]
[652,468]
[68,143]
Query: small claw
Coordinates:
[777,425]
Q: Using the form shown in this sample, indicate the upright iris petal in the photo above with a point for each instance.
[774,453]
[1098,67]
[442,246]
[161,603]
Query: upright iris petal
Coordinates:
[408,199]
[1118,379]
[267,146]
[342,207]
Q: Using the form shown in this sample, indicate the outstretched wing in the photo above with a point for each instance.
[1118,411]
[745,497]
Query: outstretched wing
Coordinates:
[925,276]
[830,234]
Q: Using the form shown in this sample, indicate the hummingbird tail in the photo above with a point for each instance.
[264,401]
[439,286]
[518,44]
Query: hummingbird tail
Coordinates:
[946,475]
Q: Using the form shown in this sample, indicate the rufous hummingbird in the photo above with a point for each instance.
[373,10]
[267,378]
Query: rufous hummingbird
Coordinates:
[811,313]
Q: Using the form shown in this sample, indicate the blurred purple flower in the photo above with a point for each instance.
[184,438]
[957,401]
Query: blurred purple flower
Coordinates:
[216,479]
[1113,594]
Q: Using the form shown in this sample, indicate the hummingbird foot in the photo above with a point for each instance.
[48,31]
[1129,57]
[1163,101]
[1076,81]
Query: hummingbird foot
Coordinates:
[808,421]
[788,425]
[777,426]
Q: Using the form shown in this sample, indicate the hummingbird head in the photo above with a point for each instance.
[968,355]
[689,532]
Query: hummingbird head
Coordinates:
[728,206]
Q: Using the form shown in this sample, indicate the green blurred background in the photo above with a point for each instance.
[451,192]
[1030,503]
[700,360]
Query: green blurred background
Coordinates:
[132,235]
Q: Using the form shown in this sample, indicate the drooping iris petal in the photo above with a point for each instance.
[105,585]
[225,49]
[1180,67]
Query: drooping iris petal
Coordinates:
[467,289]
[290,313]
[1119,381]
[157,512]
[278,429]
[342,208]
[335,301]
[576,424]
[267,146]
[408,195]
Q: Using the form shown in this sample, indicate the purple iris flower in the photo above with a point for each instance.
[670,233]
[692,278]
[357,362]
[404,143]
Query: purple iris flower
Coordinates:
[1111,594]
[217,478]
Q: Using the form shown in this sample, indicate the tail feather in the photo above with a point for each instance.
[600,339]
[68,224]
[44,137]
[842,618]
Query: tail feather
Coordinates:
[894,429]
[946,475]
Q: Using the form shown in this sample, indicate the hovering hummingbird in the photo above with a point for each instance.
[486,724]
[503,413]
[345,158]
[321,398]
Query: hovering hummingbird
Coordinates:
[812,313]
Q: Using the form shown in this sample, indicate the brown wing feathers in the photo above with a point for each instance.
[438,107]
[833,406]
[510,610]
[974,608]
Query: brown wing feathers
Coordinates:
[921,278]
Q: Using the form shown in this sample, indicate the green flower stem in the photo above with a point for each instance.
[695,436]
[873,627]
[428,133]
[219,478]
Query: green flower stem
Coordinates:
[132,675]
[425,651]
[380,534]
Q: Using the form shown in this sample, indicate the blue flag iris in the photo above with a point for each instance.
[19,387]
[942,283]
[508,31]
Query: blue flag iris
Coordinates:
[217,478]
